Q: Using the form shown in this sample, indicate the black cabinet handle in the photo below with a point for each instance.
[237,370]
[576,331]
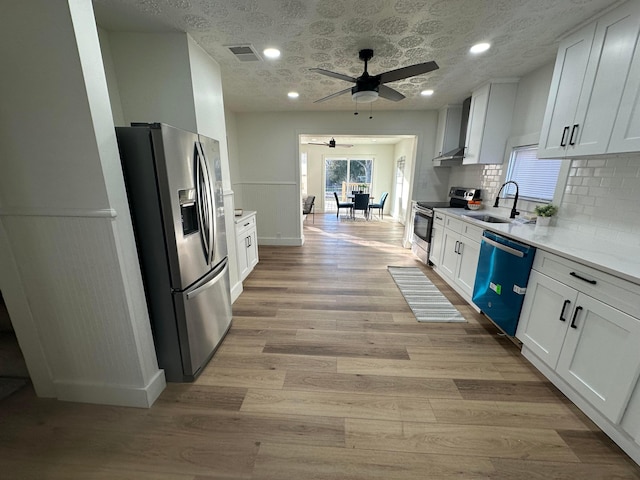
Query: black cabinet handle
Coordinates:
[564,307]
[563,142]
[573,132]
[574,274]
[460,248]
[455,249]
[575,315]
[438,218]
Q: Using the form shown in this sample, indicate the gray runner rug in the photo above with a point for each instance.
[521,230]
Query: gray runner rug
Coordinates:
[425,300]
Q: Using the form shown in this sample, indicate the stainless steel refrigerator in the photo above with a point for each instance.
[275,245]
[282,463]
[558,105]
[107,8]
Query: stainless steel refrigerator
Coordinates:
[174,186]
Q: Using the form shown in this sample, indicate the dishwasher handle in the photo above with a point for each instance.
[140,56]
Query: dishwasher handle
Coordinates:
[504,248]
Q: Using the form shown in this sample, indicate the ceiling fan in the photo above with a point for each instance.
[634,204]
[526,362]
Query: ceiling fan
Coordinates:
[332,144]
[367,87]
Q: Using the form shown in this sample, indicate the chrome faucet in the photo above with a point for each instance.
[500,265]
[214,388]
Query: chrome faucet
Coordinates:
[514,212]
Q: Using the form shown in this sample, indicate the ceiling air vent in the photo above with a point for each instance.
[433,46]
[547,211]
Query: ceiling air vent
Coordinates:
[245,53]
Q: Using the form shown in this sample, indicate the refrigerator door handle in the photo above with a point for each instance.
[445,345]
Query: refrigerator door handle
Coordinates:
[504,248]
[208,194]
[201,206]
[204,197]
[196,291]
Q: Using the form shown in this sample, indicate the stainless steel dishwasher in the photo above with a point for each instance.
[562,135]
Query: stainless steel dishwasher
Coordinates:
[501,279]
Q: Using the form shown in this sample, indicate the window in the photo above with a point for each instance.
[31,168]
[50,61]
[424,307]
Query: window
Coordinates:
[536,178]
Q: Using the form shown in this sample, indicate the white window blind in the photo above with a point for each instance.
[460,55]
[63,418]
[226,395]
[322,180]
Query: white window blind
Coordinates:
[536,178]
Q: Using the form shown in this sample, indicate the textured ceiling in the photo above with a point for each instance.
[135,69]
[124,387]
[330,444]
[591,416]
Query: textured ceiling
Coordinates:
[329,33]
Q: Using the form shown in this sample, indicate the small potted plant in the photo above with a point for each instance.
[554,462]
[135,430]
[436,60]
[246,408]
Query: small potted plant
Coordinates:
[544,213]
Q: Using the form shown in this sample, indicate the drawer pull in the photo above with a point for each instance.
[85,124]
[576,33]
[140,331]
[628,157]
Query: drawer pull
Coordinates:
[247,224]
[438,218]
[574,274]
[564,307]
[575,316]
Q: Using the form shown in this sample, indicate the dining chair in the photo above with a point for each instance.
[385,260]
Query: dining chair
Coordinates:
[307,208]
[380,204]
[361,202]
[340,205]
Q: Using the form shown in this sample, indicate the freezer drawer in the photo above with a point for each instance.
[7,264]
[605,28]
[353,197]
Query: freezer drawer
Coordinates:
[206,308]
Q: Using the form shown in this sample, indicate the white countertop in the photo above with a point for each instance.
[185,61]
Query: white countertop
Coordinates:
[245,214]
[618,259]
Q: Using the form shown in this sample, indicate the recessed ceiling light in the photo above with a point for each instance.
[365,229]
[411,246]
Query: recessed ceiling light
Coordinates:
[374,139]
[426,93]
[271,52]
[480,47]
[293,94]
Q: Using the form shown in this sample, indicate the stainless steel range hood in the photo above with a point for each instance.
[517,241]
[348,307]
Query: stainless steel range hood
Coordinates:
[455,155]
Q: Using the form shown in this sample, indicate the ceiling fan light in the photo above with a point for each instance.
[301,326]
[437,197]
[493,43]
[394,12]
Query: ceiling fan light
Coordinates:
[426,93]
[293,94]
[365,96]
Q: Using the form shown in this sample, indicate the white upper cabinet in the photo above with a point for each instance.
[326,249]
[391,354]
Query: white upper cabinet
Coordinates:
[595,86]
[489,124]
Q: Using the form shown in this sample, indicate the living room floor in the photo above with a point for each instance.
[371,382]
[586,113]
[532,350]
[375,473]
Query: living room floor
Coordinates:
[325,374]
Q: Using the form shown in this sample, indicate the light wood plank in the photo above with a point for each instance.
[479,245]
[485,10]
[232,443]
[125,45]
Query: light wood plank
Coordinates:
[506,414]
[471,440]
[238,377]
[278,462]
[336,405]
[274,361]
[401,368]
[372,384]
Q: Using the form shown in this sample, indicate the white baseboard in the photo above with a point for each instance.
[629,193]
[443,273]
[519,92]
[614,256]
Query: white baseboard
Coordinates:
[287,242]
[236,290]
[124,396]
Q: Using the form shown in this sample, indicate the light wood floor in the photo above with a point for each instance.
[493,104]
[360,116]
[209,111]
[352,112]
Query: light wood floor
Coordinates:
[326,375]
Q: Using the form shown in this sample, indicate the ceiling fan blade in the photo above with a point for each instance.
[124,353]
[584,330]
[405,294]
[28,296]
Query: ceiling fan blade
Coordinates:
[406,72]
[341,92]
[389,93]
[312,143]
[329,73]
[344,145]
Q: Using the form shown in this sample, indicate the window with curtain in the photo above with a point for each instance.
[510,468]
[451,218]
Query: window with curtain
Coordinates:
[536,178]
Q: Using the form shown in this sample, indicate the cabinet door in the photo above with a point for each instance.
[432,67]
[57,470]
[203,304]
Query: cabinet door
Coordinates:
[475,127]
[435,251]
[566,85]
[607,73]
[545,316]
[450,243]
[252,249]
[243,266]
[469,252]
[626,130]
[600,357]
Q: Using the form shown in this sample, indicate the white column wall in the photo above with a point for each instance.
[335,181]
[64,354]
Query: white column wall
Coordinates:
[75,296]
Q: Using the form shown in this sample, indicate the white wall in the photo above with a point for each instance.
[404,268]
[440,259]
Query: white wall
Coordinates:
[154,79]
[73,288]
[269,179]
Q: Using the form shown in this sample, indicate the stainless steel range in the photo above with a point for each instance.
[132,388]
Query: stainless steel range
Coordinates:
[459,197]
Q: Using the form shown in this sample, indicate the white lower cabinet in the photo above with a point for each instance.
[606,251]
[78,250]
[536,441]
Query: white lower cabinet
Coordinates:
[580,327]
[247,244]
[600,356]
[437,237]
[460,252]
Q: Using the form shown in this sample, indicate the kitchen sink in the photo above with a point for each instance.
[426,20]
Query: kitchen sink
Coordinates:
[489,218]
